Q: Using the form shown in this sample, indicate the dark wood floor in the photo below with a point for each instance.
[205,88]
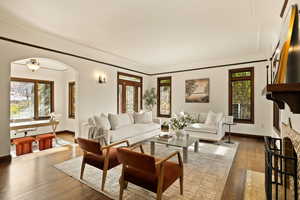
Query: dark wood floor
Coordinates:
[34,177]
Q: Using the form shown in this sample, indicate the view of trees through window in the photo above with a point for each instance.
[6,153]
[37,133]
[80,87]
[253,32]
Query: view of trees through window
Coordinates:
[241,99]
[21,100]
[44,97]
[30,99]
[164,97]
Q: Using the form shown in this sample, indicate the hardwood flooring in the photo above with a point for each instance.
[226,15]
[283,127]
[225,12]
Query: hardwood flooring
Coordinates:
[33,176]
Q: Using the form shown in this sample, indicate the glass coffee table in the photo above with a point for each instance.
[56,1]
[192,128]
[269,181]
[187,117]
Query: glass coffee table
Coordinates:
[183,143]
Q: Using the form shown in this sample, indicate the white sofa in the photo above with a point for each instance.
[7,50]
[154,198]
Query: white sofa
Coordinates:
[132,127]
[208,126]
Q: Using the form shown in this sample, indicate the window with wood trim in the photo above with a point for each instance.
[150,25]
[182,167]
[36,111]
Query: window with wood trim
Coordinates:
[164,96]
[241,95]
[72,100]
[130,91]
[31,99]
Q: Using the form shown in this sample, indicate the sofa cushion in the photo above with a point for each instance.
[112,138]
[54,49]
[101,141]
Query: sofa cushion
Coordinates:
[198,127]
[202,117]
[118,121]
[102,122]
[132,130]
[143,118]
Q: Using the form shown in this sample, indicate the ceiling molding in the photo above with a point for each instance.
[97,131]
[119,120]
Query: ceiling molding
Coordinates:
[210,67]
[125,68]
[69,54]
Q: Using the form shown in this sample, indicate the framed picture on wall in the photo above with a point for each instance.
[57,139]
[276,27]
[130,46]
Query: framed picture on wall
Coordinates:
[197,91]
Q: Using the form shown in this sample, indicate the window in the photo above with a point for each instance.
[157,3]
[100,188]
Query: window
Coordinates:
[241,95]
[31,99]
[164,87]
[130,91]
[72,100]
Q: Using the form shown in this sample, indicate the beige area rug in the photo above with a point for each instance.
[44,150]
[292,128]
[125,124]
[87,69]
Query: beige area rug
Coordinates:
[254,186]
[205,174]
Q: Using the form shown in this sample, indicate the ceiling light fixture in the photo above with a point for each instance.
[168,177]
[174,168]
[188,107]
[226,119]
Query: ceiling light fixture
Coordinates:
[33,65]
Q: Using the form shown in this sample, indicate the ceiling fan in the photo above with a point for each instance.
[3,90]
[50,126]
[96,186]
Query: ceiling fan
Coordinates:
[33,65]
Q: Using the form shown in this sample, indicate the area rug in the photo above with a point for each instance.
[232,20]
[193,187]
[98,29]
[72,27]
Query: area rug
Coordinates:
[205,174]
[254,186]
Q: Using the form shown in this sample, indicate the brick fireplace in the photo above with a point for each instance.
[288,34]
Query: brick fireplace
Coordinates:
[282,171]
[291,148]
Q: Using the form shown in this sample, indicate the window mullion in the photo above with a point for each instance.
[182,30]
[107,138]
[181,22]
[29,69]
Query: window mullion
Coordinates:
[36,99]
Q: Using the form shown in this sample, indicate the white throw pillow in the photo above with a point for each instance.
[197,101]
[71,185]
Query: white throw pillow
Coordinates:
[102,122]
[202,117]
[211,119]
[143,118]
[117,121]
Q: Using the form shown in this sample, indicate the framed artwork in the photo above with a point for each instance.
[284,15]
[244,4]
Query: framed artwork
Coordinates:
[197,91]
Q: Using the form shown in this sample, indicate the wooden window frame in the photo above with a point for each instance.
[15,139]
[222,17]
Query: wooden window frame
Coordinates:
[36,105]
[71,111]
[130,83]
[232,79]
[158,95]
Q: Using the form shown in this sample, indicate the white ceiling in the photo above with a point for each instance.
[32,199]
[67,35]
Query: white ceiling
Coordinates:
[160,35]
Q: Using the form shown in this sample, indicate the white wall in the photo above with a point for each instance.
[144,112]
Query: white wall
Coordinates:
[219,96]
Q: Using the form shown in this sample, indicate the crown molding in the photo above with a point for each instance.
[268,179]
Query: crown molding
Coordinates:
[125,68]
[69,54]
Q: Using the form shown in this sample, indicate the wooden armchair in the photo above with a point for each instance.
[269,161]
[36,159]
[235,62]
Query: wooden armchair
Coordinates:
[149,172]
[101,157]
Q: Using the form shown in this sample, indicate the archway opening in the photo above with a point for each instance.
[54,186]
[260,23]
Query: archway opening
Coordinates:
[43,101]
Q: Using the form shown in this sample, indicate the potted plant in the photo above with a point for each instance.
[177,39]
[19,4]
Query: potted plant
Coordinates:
[150,99]
[179,122]
[165,126]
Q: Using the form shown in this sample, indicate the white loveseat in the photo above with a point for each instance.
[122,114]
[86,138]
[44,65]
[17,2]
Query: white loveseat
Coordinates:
[208,126]
[135,127]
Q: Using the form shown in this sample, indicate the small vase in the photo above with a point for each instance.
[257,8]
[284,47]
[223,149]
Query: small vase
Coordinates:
[179,133]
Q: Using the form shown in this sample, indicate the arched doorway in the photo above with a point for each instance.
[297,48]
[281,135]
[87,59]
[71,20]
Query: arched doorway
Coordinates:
[41,88]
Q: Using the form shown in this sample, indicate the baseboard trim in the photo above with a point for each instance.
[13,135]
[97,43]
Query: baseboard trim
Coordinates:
[246,135]
[6,158]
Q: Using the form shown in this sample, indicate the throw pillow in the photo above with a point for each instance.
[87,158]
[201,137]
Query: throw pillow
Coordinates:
[202,117]
[143,118]
[120,120]
[211,119]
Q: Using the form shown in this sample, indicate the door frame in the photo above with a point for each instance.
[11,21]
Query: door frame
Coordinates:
[125,83]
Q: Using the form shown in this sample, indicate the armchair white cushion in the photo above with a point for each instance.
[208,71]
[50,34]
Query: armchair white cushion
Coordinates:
[211,129]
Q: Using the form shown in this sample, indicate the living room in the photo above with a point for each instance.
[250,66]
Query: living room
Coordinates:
[190,54]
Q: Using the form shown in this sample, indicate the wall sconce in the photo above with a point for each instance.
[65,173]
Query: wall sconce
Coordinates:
[102,79]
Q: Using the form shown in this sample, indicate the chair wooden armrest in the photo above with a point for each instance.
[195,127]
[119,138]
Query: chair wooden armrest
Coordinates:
[115,144]
[169,157]
[136,146]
